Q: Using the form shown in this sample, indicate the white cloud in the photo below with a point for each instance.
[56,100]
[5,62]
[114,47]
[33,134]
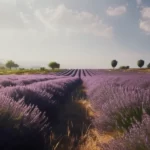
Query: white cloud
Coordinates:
[58,20]
[145,12]
[145,20]
[70,21]
[116,11]
[28,30]
[145,25]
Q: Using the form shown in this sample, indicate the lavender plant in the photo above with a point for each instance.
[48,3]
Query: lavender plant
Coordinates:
[25,80]
[21,127]
[119,104]
[46,95]
[137,138]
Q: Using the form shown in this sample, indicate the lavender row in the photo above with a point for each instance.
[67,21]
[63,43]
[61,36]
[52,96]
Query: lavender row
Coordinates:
[18,123]
[120,100]
[24,79]
[46,95]
[125,80]
[80,73]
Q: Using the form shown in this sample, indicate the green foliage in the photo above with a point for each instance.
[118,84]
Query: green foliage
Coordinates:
[140,63]
[122,67]
[148,66]
[27,71]
[114,63]
[54,65]
[58,66]
[10,64]
[127,117]
[42,69]
[16,66]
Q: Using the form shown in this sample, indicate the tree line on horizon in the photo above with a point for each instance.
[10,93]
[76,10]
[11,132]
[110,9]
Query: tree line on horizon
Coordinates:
[54,65]
[140,64]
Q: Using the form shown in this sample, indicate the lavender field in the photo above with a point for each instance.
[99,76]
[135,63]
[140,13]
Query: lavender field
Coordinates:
[53,112]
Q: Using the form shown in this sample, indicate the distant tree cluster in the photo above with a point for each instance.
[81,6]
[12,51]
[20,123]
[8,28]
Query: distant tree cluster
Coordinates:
[124,67]
[140,64]
[11,64]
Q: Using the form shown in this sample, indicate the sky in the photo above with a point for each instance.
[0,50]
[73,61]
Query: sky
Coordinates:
[75,33]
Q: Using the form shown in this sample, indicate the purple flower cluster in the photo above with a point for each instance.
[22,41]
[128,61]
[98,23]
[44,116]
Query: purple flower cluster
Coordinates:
[14,80]
[80,73]
[137,138]
[45,95]
[29,104]
[122,102]
[119,99]
[18,123]
[29,107]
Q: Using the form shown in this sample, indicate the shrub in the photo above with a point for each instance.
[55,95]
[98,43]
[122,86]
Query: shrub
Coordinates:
[42,69]
[124,67]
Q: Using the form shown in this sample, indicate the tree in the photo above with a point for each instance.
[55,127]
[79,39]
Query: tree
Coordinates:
[58,66]
[10,64]
[140,63]
[148,66]
[16,65]
[54,65]
[114,63]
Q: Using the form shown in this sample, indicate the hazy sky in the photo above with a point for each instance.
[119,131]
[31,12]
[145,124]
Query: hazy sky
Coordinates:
[76,33]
